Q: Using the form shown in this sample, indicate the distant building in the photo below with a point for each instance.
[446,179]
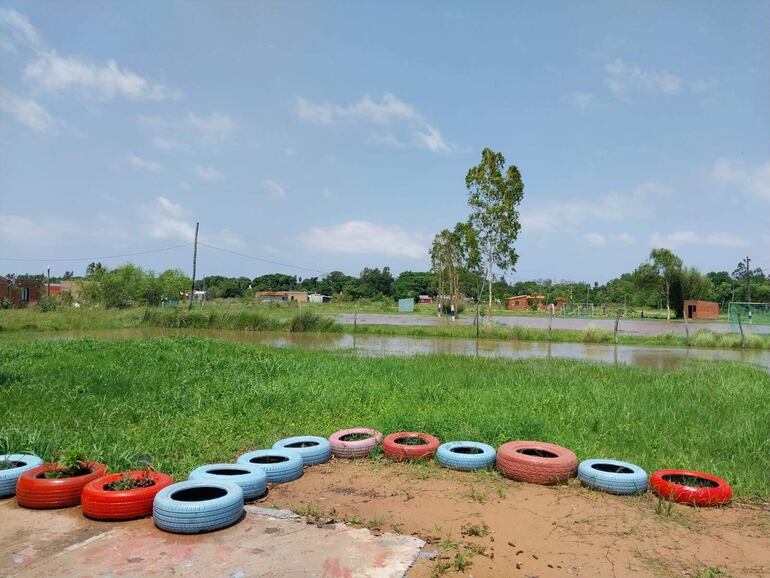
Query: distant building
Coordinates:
[318,298]
[425,299]
[280,296]
[20,293]
[525,302]
[701,309]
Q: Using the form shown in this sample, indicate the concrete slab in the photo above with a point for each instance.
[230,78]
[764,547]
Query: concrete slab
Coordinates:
[264,543]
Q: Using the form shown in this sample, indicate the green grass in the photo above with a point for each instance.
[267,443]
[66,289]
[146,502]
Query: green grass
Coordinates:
[188,401]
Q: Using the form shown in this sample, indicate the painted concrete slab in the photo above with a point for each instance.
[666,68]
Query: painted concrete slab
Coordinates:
[63,543]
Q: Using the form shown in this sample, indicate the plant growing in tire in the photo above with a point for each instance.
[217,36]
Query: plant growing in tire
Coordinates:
[58,484]
[123,496]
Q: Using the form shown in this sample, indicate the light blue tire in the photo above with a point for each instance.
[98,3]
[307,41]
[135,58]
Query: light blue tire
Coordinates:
[281,466]
[460,456]
[251,478]
[196,506]
[613,476]
[313,449]
[22,463]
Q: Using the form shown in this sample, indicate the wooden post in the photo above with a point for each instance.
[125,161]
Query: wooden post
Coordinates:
[195,262]
[355,319]
[550,321]
[617,321]
[687,328]
[477,323]
[48,292]
[743,337]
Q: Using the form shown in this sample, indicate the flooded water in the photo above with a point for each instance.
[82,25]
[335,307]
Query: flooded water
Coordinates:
[662,358]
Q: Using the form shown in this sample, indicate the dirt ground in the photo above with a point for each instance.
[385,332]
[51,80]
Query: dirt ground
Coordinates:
[482,525]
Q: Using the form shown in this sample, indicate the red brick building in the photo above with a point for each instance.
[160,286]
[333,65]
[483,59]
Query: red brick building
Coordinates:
[701,309]
[20,293]
[524,302]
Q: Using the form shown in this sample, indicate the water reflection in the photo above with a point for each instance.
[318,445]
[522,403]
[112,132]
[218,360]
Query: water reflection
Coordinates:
[661,358]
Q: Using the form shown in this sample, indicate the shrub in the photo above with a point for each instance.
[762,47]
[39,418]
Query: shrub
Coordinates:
[47,304]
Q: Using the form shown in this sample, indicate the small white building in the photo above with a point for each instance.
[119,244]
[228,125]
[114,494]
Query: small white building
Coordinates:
[318,298]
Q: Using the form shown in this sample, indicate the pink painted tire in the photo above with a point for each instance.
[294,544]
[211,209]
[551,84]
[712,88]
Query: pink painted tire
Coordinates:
[536,462]
[344,447]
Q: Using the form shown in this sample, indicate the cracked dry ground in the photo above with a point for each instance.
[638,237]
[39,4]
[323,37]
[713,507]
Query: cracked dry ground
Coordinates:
[481,524]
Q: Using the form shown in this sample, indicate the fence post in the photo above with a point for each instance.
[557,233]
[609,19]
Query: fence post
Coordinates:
[743,337]
[615,333]
[355,319]
[550,321]
[687,328]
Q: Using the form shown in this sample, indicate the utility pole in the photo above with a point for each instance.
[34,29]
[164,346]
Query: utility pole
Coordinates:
[195,261]
[748,280]
[48,290]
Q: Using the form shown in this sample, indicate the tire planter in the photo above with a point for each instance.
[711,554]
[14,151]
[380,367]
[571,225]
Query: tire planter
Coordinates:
[35,491]
[465,455]
[677,485]
[99,503]
[536,462]
[280,466]
[250,477]
[196,506]
[613,476]
[313,449]
[21,463]
[347,448]
[394,448]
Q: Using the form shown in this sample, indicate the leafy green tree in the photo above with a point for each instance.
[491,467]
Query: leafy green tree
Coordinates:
[494,193]
[413,284]
[667,267]
[373,282]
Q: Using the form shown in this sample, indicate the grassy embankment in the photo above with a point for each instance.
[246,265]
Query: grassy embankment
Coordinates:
[188,401]
[275,317]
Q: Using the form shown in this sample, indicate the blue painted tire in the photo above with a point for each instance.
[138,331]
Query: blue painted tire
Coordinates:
[613,476]
[281,466]
[195,506]
[251,478]
[8,478]
[313,449]
[459,456]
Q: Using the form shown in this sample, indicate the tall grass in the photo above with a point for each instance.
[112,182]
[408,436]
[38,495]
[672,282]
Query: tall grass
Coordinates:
[188,401]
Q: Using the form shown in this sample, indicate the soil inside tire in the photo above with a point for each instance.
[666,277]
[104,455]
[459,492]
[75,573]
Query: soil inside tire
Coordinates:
[302,445]
[466,450]
[692,481]
[11,465]
[537,453]
[201,494]
[269,460]
[612,469]
[75,474]
[228,472]
[410,441]
[355,437]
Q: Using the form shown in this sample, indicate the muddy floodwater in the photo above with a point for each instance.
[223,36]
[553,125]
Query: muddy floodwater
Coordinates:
[663,358]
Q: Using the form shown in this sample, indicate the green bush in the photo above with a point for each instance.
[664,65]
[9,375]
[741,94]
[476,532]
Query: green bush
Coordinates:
[47,304]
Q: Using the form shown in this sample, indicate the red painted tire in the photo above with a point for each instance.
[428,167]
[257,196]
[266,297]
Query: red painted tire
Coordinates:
[35,491]
[399,451]
[536,462]
[670,485]
[343,448]
[99,503]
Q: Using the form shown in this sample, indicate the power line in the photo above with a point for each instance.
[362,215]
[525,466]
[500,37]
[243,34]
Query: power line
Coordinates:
[98,258]
[262,260]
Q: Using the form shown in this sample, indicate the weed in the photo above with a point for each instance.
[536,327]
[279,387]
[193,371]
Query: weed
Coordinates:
[69,463]
[477,530]
[478,495]
[710,572]
[664,507]
[462,560]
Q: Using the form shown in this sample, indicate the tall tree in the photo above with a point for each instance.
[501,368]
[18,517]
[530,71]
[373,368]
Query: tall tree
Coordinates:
[667,266]
[494,193]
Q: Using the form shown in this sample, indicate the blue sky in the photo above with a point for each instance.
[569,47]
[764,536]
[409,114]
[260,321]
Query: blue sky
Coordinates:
[337,135]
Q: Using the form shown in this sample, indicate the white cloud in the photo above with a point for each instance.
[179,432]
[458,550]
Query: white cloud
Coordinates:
[208,174]
[144,164]
[580,100]
[754,179]
[54,73]
[168,220]
[273,190]
[624,79]
[27,111]
[390,112]
[678,238]
[202,129]
[16,29]
[366,237]
[612,207]
[166,144]
[602,240]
